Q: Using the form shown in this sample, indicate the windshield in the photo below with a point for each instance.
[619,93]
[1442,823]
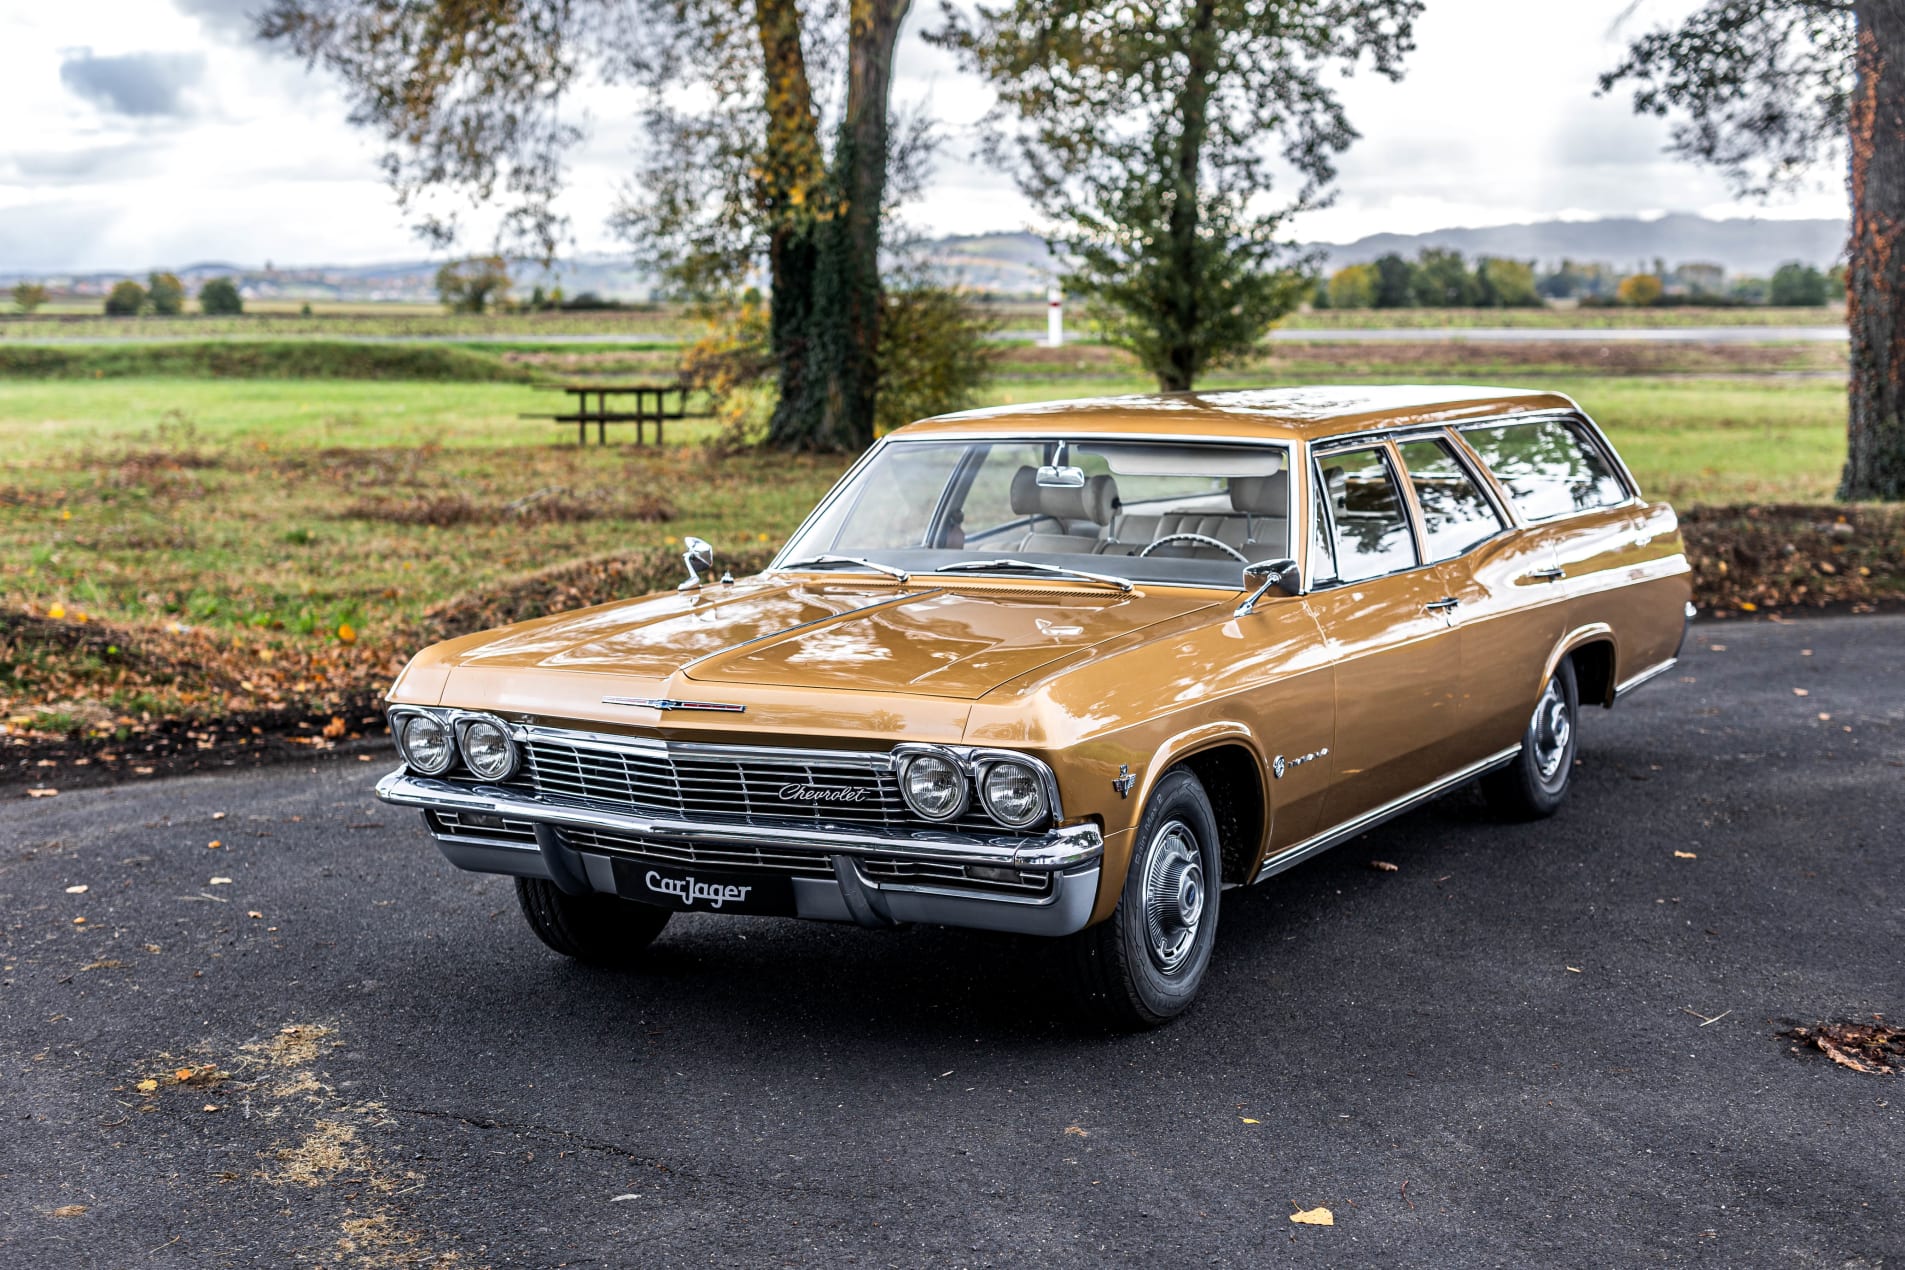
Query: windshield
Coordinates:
[1150,511]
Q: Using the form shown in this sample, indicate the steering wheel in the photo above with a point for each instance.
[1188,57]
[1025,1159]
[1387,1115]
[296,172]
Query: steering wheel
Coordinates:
[1205,539]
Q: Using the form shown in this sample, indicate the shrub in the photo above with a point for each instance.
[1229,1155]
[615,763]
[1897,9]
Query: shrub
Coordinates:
[1638,290]
[1795,285]
[220,298]
[28,296]
[166,294]
[1353,287]
[469,286]
[936,353]
[127,299]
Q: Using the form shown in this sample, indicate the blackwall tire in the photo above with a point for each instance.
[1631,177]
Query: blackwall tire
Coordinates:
[599,930]
[1144,965]
[1535,783]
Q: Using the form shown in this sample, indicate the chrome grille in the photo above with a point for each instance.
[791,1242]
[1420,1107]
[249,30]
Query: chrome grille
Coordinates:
[658,851]
[690,781]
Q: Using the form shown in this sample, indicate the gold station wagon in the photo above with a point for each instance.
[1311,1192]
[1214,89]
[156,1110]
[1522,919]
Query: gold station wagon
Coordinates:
[1069,670]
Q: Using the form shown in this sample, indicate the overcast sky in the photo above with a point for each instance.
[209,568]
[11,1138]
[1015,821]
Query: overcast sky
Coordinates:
[155,132]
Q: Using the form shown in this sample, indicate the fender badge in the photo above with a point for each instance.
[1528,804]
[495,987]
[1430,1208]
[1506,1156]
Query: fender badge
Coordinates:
[668,703]
[1279,765]
[1124,780]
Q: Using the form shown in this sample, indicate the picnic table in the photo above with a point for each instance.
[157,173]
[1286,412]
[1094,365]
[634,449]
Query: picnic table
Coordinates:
[641,414]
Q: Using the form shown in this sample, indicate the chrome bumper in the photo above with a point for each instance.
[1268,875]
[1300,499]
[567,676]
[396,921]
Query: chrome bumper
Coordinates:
[1070,854]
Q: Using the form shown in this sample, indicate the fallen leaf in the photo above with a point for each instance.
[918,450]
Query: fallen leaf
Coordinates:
[1248,1120]
[1573,970]
[220,882]
[1801,692]
[1077,1131]
[79,921]
[255,913]
[1314,1217]
[211,1106]
[146,1086]
[214,844]
[616,1199]
[335,728]
[42,793]
[218,815]
[182,1074]
[346,633]
[69,1210]
[1382,866]
[1685,855]
[76,890]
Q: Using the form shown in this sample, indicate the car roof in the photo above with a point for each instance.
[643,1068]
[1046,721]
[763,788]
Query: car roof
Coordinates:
[1309,413]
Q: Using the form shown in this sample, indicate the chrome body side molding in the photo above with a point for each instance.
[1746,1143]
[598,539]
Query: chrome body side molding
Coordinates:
[1626,686]
[1290,857]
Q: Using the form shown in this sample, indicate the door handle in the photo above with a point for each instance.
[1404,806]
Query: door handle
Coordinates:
[1553,573]
[1443,605]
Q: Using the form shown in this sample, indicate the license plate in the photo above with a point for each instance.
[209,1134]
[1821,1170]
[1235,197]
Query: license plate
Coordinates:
[698,891]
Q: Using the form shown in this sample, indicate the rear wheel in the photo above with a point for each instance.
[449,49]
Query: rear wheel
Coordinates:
[1535,782]
[1144,965]
[601,930]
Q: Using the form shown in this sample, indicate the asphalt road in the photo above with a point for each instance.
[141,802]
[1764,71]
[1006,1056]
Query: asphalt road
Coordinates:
[1494,1055]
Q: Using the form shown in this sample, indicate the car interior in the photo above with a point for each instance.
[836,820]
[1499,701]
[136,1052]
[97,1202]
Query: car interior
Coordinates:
[1240,517]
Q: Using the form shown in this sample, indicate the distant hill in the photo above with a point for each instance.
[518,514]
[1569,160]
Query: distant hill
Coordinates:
[1018,263]
[1743,246]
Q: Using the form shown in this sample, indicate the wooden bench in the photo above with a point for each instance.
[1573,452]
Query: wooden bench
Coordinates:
[641,415]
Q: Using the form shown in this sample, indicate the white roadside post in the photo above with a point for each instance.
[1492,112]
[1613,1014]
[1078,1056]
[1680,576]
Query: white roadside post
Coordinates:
[1055,318]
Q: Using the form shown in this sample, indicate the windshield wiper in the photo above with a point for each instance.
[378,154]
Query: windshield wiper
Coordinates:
[815,561]
[980,566]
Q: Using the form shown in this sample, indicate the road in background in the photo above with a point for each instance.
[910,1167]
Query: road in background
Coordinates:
[1528,1044]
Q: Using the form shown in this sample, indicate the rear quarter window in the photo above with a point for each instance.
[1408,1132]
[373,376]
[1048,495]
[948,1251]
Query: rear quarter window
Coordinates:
[1550,467]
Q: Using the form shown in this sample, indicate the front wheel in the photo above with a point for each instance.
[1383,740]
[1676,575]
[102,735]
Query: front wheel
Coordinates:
[1535,782]
[601,930]
[1144,965]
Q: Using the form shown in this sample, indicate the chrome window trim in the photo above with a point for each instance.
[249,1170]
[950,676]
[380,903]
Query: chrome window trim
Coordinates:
[1366,441]
[1470,463]
[1596,439]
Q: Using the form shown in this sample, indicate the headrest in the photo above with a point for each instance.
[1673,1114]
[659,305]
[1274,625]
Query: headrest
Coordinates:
[1261,495]
[1096,500]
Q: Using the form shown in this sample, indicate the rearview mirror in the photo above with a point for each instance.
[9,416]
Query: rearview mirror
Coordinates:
[1280,573]
[698,556]
[1051,476]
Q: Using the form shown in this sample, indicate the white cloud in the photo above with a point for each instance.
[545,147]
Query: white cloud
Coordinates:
[1496,121]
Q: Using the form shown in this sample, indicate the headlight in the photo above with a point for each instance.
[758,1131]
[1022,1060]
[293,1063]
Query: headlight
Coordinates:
[1013,794]
[487,749]
[933,787]
[425,742]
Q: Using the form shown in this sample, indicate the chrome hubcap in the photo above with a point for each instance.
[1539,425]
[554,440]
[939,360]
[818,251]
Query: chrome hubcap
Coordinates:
[1554,728]
[1174,895]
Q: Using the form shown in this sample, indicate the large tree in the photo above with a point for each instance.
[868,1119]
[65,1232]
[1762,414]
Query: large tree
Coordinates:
[1145,135]
[469,97]
[1769,91]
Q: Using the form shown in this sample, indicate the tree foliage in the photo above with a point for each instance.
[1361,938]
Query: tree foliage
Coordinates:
[1797,285]
[126,299]
[219,298]
[1762,88]
[28,296]
[1639,290]
[1145,138]
[165,293]
[472,285]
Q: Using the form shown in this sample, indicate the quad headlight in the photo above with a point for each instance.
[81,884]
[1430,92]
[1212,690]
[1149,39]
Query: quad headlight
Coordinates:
[934,786]
[487,749]
[1012,793]
[424,741]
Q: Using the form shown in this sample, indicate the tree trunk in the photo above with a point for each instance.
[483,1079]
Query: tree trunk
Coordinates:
[789,185]
[843,369]
[1875,281]
[1178,371]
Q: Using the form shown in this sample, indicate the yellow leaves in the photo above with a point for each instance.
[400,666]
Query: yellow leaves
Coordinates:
[335,728]
[1314,1217]
[346,633]
[1248,1120]
[79,921]
[147,1086]
[214,844]
[182,1075]
[1685,855]
[57,612]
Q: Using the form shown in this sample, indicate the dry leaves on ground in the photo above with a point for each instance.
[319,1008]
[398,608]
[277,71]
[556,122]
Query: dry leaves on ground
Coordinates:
[1314,1217]
[1873,1048]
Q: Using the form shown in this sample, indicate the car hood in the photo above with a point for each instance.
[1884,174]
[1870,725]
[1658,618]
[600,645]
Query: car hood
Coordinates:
[959,640]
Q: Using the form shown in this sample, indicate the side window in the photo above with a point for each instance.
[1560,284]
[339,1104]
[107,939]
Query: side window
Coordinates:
[1367,513]
[1550,467]
[1456,514]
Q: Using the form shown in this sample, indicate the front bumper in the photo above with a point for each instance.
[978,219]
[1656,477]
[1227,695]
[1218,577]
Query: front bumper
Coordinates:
[1070,855]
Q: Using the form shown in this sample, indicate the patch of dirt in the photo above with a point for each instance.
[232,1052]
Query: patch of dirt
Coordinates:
[1874,1048]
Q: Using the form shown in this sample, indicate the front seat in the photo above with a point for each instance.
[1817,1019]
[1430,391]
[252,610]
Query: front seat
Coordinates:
[1056,512]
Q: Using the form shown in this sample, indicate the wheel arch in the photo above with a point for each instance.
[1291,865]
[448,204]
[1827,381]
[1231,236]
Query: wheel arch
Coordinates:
[1596,653]
[1228,761]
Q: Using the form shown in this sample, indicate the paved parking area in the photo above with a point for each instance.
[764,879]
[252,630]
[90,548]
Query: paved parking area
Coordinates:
[1548,1044]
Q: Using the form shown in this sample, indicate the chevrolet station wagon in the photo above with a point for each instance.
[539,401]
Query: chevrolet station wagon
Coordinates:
[1072,670]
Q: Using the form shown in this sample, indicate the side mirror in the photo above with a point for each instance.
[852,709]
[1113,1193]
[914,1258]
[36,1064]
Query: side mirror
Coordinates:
[699,556]
[1265,574]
